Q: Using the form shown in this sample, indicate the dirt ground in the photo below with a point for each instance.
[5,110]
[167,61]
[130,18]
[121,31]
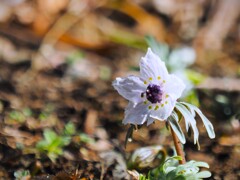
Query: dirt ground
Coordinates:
[47,86]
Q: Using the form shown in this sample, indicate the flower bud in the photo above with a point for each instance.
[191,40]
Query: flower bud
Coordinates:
[147,157]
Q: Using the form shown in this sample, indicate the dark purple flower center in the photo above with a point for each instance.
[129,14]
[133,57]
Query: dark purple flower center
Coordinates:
[154,93]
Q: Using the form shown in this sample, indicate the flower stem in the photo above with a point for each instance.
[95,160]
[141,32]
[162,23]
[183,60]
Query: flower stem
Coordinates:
[178,147]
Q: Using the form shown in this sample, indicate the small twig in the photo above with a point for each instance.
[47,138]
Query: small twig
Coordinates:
[102,170]
[178,147]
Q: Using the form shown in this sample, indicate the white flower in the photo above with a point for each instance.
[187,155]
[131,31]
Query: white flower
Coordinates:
[151,96]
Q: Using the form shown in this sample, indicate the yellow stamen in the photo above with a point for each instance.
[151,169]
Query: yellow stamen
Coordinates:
[150,79]
[145,82]
[158,77]
[156,108]
[149,107]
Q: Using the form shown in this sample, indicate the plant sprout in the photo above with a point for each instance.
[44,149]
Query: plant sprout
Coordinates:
[52,144]
[170,170]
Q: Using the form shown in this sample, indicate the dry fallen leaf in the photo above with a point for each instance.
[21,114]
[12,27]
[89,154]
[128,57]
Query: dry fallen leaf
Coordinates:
[134,174]
[15,137]
[233,140]
[225,84]
[91,122]
[147,24]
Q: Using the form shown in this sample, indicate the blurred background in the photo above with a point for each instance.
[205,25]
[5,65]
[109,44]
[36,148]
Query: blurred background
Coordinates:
[59,115]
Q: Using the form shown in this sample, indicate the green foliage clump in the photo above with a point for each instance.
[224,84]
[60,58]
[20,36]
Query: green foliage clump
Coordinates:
[69,129]
[46,112]
[19,116]
[171,170]
[52,144]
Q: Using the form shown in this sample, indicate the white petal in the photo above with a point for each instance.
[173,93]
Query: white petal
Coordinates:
[162,113]
[130,88]
[150,120]
[174,87]
[136,114]
[151,66]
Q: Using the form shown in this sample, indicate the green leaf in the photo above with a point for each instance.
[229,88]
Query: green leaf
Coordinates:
[208,125]
[177,158]
[142,177]
[49,135]
[52,144]
[201,164]
[65,140]
[171,170]
[27,112]
[41,145]
[203,174]
[86,138]
[43,116]
[69,129]
[17,116]
[161,49]
[177,129]
[189,120]
[53,156]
